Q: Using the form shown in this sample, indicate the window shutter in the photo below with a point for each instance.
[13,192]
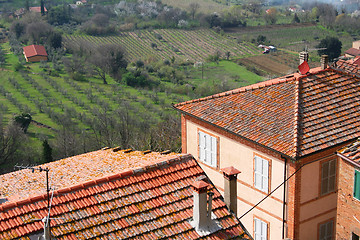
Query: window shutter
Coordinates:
[263,230]
[258,170]
[257,229]
[208,149]
[265,175]
[357,185]
[201,146]
[213,151]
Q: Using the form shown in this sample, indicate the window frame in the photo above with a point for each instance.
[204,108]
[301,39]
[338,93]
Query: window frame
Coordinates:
[262,221]
[325,223]
[255,173]
[214,163]
[356,193]
[328,177]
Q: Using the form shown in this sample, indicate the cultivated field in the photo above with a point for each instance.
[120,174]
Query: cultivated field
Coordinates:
[184,45]
[293,37]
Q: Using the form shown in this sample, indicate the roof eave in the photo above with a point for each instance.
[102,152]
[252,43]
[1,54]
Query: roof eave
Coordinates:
[245,138]
[352,162]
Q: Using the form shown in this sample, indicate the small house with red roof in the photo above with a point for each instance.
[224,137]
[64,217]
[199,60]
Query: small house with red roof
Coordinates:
[354,51]
[118,194]
[35,53]
[283,135]
[36,9]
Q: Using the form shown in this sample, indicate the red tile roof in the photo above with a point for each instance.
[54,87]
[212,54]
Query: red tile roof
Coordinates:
[294,115]
[351,151]
[152,202]
[351,66]
[353,52]
[34,50]
[37,9]
[70,171]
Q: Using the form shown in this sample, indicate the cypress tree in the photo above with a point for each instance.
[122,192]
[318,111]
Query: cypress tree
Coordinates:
[47,152]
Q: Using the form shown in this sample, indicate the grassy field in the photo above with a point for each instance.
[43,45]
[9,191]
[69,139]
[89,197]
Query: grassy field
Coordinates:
[184,45]
[206,6]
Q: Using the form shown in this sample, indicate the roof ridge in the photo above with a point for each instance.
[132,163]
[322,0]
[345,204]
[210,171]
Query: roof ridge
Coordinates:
[297,117]
[125,173]
[270,82]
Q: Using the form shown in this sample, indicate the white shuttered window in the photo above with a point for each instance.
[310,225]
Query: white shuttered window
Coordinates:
[261,174]
[207,149]
[260,231]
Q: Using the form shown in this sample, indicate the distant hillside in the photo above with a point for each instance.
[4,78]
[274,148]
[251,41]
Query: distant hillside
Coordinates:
[184,45]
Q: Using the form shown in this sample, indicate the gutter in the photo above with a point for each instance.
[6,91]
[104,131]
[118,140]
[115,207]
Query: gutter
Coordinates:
[348,160]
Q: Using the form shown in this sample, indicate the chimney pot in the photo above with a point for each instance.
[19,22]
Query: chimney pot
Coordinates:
[230,188]
[324,61]
[200,211]
[304,56]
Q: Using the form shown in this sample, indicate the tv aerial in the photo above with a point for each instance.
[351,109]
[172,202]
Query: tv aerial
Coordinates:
[47,218]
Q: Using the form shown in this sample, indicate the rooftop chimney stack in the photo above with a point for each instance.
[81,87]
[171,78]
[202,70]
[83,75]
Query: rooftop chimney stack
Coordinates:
[200,214]
[324,61]
[230,188]
[303,56]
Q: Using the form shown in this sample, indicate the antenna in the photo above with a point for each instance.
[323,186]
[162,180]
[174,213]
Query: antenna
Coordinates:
[40,169]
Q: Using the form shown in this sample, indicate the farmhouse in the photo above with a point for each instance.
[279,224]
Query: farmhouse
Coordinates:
[354,51]
[282,134]
[35,53]
[117,194]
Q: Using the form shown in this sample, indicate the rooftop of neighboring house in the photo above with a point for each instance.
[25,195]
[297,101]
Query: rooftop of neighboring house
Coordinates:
[353,52]
[351,152]
[294,115]
[150,202]
[34,50]
[70,171]
[351,65]
[36,9]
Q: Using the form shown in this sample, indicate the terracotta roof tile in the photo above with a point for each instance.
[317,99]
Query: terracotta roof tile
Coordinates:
[352,151]
[151,202]
[73,170]
[295,115]
[353,51]
[34,50]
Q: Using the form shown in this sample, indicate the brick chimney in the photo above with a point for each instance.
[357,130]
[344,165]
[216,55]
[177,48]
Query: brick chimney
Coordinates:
[324,61]
[303,56]
[230,188]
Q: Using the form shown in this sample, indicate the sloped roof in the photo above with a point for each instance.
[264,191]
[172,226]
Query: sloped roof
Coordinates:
[350,66]
[294,115]
[37,9]
[70,171]
[353,52]
[152,202]
[34,50]
[352,151]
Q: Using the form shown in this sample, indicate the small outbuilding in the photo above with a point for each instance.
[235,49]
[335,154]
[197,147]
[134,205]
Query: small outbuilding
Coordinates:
[35,53]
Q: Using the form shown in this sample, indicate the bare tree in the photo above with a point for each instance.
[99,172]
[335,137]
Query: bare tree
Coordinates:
[193,8]
[12,138]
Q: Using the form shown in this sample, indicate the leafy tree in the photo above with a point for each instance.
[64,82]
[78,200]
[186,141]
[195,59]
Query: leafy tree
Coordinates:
[271,16]
[2,57]
[23,121]
[47,152]
[261,39]
[18,28]
[55,40]
[42,7]
[110,59]
[296,19]
[332,47]
[58,15]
